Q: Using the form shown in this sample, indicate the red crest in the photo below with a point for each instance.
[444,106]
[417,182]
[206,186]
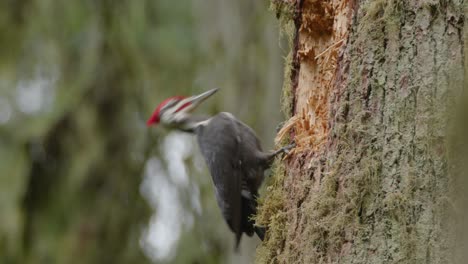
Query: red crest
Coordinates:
[154,119]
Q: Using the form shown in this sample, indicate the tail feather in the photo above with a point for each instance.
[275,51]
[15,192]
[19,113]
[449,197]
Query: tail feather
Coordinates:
[238,239]
[260,231]
[249,227]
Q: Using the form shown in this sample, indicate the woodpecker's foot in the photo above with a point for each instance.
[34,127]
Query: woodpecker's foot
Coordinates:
[285,149]
[288,148]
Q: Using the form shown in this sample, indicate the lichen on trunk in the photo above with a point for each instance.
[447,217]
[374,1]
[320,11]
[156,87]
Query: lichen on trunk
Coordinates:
[368,180]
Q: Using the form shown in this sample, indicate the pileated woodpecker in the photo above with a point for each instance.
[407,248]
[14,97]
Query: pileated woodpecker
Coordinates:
[232,152]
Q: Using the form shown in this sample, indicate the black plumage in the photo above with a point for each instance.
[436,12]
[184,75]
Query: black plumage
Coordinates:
[237,163]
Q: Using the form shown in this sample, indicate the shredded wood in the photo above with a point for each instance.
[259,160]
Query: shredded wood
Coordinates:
[330,47]
[285,130]
[321,36]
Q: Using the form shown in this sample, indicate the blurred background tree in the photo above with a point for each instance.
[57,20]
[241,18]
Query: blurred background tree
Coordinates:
[83,180]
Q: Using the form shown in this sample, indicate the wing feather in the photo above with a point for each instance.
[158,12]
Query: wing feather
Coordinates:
[230,149]
[220,147]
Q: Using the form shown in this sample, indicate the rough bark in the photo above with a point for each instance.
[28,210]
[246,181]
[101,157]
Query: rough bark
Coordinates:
[372,84]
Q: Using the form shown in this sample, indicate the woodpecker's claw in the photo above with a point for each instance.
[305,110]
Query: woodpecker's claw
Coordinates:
[288,148]
[285,149]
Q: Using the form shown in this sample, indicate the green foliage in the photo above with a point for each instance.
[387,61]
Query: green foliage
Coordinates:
[72,164]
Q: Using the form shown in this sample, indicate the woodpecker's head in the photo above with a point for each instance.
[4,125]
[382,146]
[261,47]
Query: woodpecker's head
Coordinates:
[174,110]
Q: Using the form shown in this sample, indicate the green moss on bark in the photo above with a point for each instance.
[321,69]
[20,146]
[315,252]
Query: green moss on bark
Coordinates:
[376,193]
[271,204]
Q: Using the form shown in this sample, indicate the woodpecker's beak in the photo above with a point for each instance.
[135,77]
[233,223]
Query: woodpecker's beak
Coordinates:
[196,100]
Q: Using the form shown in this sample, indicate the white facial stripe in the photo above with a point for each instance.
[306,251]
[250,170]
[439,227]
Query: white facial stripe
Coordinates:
[172,110]
[170,115]
[181,103]
[171,107]
[168,104]
[172,118]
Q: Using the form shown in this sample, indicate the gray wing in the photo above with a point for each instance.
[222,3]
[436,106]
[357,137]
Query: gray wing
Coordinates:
[252,158]
[219,145]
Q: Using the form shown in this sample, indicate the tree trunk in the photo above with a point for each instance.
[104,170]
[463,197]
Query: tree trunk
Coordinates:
[370,86]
